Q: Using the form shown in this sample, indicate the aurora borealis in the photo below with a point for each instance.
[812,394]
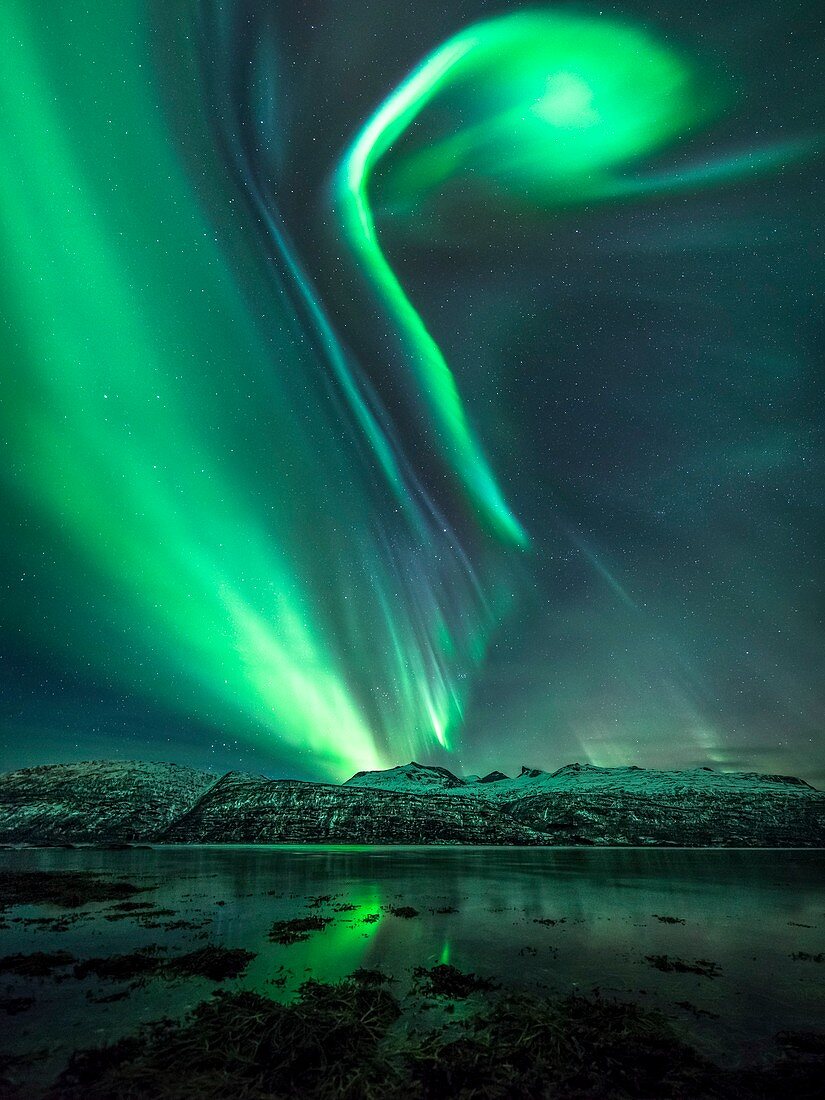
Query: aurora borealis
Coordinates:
[427,383]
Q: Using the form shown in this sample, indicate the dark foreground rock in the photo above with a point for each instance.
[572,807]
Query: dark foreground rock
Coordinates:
[112,803]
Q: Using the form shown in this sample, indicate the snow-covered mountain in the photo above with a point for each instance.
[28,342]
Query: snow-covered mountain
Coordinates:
[123,800]
[410,777]
[105,801]
[575,779]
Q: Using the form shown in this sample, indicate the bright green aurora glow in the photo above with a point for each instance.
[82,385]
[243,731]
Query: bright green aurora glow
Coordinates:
[224,515]
[550,107]
[546,102]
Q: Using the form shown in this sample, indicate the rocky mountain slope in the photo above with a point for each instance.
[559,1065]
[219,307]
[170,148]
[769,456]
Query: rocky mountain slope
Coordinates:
[691,818]
[249,809]
[96,800]
[107,801]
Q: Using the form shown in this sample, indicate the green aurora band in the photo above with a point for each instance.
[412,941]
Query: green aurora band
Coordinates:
[226,517]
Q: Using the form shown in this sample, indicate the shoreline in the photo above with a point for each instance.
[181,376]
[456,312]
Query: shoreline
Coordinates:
[138,846]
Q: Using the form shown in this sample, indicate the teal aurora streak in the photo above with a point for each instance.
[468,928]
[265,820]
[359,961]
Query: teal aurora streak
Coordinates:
[225,516]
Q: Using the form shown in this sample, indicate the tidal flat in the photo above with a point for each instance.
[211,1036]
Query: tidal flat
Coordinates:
[584,972]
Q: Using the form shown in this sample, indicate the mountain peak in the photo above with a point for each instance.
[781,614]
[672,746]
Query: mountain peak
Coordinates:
[578,769]
[406,777]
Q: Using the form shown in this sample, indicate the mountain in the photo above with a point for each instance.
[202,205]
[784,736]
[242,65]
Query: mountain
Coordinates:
[586,804]
[106,801]
[495,777]
[410,777]
[111,800]
[577,778]
[246,809]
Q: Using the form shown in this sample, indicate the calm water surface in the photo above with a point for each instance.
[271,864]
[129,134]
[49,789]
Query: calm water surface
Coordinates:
[747,911]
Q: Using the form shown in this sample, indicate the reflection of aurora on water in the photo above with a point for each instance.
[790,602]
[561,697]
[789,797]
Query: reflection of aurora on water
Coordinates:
[342,947]
[260,497]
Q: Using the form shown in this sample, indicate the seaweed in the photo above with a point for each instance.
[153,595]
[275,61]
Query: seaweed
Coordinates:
[214,963]
[39,964]
[405,911]
[448,981]
[50,924]
[279,978]
[370,977]
[133,906]
[151,921]
[698,1013]
[672,965]
[326,1044]
[339,1042]
[137,964]
[319,901]
[297,930]
[577,1047]
[67,889]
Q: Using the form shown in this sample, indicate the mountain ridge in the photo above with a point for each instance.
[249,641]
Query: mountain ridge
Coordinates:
[575,774]
[155,802]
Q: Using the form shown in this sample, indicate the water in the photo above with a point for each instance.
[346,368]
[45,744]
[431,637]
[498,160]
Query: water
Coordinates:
[747,911]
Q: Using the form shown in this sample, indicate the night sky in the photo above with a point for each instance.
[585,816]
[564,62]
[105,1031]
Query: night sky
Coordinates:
[434,381]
